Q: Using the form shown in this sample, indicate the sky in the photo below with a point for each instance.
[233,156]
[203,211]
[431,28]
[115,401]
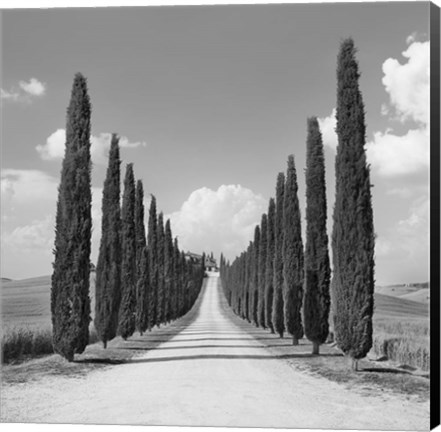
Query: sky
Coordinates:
[209,101]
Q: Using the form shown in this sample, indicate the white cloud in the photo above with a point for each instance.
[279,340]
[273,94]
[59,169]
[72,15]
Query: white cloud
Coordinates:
[100,145]
[27,187]
[393,155]
[33,87]
[327,128]
[25,91]
[28,192]
[9,95]
[38,235]
[221,220]
[405,246]
[408,88]
[382,247]
[54,147]
[411,38]
[408,84]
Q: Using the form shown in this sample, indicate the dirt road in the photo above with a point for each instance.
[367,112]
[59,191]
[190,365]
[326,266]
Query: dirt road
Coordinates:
[210,374]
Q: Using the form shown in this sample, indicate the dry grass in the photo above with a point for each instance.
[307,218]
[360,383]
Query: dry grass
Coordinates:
[404,342]
[20,343]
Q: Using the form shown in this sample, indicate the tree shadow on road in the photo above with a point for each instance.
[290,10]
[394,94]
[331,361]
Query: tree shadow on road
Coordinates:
[202,357]
[386,370]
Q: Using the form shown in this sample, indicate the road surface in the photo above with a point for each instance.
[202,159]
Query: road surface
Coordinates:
[211,373]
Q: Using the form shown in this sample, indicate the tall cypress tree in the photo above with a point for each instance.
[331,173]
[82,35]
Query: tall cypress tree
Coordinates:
[108,269]
[161,267]
[317,271]
[255,276]
[152,245]
[142,271]
[248,281]
[292,253]
[126,320]
[183,283]
[261,269]
[353,231]
[269,267]
[70,304]
[278,308]
[176,278]
[168,272]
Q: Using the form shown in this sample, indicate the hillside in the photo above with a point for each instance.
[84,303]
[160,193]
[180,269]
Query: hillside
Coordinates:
[418,292]
[397,307]
[27,301]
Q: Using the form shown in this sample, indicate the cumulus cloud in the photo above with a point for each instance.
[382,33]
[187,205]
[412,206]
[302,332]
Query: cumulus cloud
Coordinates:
[33,87]
[28,192]
[408,88]
[54,147]
[405,246]
[38,235]
[327,128]
[9,95]
[27,187]
[408,84]
[25,92]
[221,220]
[394,155]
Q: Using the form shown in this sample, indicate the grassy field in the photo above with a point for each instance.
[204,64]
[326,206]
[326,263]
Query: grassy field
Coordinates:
[26,318]
[401,326]
[27,302]
[401,330]
[419,293]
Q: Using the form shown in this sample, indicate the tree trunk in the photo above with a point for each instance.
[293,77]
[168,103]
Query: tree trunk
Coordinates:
[281,335]
[295,341]
[354,365]
[104,344]
[315,348]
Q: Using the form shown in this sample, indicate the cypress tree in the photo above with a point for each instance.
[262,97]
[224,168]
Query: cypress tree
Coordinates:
[142,271]
[142,292]
[317,271]
[353,231]
[269,267]
[203,259]
[255,276]
[126,319]
[139,221]
[70,303]
[161,267]
[183,283]
[168,272]
[176,278]
[262,273]
[248,281]
[278,308]
[108,269]
[292,253]
[152,245]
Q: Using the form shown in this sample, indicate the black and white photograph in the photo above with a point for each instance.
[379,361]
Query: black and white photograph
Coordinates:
[219,215]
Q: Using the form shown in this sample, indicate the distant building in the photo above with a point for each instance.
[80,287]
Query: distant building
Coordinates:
[210,263]
[193,258]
